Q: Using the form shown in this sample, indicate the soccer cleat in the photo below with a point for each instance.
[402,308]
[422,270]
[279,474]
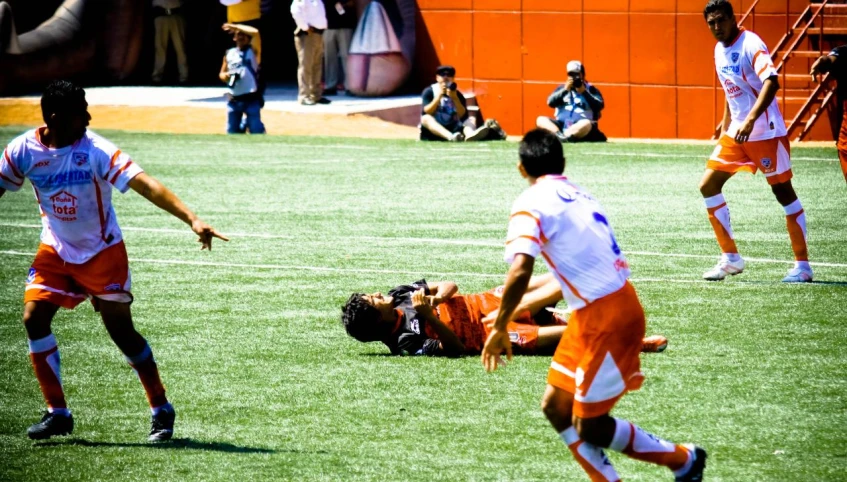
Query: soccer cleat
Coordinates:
[654,344]
[695,473]
[51,424]
[162,426]
[494,126]
[723,269]
[798,275]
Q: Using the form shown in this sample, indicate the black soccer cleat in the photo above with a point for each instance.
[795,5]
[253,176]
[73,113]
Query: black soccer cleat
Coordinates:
[695,473]
[162,425]
[51,424]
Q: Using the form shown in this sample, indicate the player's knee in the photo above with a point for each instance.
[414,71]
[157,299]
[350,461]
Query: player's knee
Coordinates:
[556,410]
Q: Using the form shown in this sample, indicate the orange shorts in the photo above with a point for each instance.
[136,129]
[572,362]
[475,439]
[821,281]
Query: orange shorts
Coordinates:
[598,356]
[105,276]
[772,157]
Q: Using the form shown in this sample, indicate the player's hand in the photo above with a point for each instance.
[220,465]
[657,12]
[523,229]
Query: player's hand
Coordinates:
[569,84]
[818,66]
[497,342]
[434,301]
[744,131]
[421,303]
[439,89]
[206,233]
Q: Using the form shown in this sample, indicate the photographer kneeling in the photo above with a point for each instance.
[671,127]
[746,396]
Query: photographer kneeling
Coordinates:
[239,72]
[578,105]
[445,113]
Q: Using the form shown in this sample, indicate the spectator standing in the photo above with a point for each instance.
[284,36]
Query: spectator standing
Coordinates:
[239,72]
[310,17]
[341,21]
[170,26]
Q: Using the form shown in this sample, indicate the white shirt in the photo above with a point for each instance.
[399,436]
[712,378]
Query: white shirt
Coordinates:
[309,13]
[73,188]
[568,227]
[742,70]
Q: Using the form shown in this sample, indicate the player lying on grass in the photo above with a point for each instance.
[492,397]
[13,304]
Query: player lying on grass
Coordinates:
[434,319]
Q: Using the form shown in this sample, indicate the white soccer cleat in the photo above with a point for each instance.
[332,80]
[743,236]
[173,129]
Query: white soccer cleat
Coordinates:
[723,269]
[798,275]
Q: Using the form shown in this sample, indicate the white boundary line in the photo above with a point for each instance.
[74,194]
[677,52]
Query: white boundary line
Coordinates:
[455,242]
[445,275]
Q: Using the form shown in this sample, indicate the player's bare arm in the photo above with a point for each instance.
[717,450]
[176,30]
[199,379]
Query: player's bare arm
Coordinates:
[520,272]
[450,343]
[542,291]
[441,291]
[766,96]
[727,118]
[165,199]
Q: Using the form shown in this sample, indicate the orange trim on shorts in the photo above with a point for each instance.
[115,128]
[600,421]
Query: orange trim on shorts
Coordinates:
[562,277]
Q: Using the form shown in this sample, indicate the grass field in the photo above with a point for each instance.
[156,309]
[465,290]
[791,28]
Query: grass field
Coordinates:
[268,386]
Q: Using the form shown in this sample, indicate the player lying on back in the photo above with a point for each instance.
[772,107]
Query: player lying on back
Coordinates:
[434,319]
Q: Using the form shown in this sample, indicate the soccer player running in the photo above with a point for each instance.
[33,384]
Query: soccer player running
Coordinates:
[82,253]
[596,361]
[753,137]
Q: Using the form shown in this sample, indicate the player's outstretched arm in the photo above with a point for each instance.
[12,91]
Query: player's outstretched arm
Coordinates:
[498,340]
[161,196]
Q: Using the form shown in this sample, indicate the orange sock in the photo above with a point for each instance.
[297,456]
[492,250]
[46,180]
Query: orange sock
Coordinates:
[44,354]
[640,445]
[795,222]
[147,371]
[719,218]
[592,458]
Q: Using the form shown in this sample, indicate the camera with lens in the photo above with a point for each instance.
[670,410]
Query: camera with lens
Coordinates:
[452,86]
[233,79]
[577,80]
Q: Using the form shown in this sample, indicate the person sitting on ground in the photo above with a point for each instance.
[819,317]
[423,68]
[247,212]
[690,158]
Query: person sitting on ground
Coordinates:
[434,319]
[445,113]
[577,107]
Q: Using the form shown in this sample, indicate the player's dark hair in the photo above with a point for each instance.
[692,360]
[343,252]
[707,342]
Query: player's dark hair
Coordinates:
[61,96]
[361,319]
[541,153]
[722,6]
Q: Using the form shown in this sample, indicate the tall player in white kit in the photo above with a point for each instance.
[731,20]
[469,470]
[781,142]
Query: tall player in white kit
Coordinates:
[82,253]
[597,359]
[753,137]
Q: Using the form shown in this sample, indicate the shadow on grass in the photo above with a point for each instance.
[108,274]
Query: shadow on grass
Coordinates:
[174,444]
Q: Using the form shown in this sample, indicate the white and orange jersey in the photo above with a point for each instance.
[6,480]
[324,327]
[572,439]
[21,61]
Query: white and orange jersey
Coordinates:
[742,69]
[73,188]
[568,227]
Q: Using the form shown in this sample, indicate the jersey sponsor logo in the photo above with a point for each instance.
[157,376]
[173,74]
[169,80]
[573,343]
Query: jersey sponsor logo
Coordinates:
[735,56]
[731,69]
[64,206]
[80,158]
[30,277]
[68,178]
[732,90]
[621,264]
[112,287]
[415,326]
[41,164]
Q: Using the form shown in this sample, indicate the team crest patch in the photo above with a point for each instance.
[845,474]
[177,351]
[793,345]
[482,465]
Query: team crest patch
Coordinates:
[766,162]
[734,57]
[112,287]
[80,158]
[31,276]
[415,326]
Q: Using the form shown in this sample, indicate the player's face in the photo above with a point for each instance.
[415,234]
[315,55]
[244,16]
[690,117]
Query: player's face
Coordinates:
[74,120]
[444,80]
[378,301]
[241,39]
[722,26]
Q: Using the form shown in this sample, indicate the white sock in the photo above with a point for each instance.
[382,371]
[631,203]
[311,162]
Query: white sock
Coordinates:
[158,409]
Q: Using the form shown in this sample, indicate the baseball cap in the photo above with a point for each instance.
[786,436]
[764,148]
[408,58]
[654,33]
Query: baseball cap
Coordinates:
[575,66]
[446,70]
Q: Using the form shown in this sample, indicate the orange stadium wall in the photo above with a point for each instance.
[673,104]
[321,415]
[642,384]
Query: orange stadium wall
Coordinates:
[652,59]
